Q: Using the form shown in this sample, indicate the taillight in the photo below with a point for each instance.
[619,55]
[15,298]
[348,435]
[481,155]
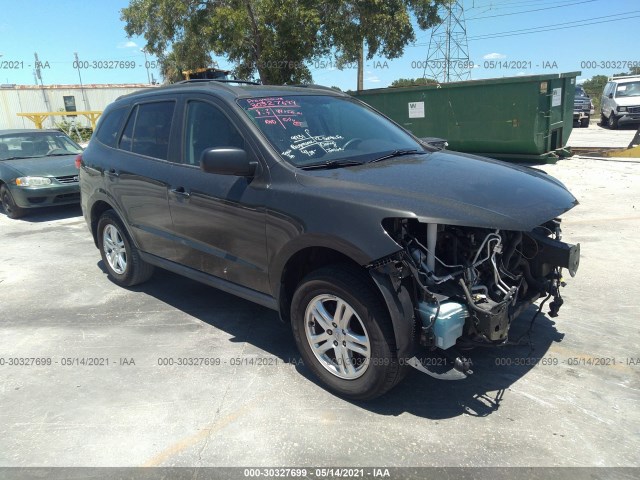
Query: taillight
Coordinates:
[79,161]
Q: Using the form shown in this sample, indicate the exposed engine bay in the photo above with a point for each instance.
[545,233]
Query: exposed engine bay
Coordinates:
[468,285]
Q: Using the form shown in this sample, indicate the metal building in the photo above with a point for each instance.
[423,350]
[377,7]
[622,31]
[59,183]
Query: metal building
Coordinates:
[53,98]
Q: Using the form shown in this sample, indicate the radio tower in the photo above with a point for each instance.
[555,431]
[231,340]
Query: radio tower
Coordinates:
[448,57]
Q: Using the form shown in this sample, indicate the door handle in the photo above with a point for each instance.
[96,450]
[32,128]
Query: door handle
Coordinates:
[112,172]
[180,192]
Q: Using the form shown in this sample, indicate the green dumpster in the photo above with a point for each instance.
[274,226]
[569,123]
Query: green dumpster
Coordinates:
[526,118]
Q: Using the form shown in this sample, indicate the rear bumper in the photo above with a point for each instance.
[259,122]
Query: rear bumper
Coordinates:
[45,197]
[580,115]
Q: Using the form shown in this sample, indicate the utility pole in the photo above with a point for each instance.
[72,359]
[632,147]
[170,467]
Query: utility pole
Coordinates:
[84,97]
[361,67]
[146,64]
[38,76]
[448,55]
[37,70]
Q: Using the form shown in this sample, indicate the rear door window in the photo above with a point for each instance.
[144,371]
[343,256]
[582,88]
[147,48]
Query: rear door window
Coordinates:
[127,134]
[148,129]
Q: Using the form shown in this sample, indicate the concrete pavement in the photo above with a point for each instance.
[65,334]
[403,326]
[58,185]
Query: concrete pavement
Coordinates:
[253,403]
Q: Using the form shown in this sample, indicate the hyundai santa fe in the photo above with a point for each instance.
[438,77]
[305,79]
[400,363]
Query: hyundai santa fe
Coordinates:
[380,251]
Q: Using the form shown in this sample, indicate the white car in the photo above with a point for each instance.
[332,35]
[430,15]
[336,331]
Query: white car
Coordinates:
[621,101]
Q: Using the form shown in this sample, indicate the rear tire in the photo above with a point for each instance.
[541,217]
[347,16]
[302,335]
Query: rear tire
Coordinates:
[120,256]
[10,208]
[344,333]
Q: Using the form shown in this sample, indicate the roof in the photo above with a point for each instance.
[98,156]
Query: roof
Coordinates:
[241,90]
[625,78]
[18,131]
[87,86]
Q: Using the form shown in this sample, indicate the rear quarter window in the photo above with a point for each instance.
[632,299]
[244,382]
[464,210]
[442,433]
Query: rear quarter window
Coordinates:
[109,126]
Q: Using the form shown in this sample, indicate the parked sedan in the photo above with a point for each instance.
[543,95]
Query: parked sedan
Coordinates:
[37,169]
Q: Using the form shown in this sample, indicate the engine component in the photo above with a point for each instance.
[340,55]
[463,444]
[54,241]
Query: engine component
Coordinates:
[482,278]
[432,236]
[553,253]
[447,320]
[494,325]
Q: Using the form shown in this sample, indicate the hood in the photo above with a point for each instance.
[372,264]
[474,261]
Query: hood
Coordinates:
[43,166]
[628,101]
[451,188]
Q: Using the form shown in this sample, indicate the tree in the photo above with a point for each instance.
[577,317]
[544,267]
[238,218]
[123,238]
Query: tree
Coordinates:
[412,82]
[594,88]
[275,38]
[384,26]
[634,71]
[271,37]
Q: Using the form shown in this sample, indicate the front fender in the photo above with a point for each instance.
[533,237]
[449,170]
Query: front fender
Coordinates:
[401,311]
[280,259]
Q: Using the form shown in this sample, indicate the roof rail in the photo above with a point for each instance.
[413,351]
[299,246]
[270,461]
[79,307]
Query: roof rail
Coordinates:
[220,80]
[313,85]
[623,76]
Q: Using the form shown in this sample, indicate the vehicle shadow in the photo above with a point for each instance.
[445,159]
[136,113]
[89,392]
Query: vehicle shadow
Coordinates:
[481,394]
[50,214]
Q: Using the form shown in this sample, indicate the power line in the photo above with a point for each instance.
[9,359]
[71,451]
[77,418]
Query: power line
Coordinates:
[559,24]
[529,11]
[528,3]
[521,4]
[558,5]
[545,28]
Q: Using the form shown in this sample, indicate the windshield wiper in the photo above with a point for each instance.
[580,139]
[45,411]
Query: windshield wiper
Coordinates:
[60,154]
[331,164]
[398,153]
[15,158]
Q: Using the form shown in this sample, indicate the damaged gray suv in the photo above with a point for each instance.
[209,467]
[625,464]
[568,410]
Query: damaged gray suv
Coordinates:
[381,252]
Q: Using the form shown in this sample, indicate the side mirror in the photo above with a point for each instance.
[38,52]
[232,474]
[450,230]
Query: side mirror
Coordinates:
[227,161]
[610,95]
[434,142]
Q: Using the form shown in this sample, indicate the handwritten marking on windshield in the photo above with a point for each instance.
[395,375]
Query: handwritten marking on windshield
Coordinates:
[275,110]
[305,143]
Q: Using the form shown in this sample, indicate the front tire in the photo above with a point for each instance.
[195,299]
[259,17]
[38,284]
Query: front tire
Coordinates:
[120,256]
[604,121]
[8,205]
[344,333]
[613,121]
[584,123]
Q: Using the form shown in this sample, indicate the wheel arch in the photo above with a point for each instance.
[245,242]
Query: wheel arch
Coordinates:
[305,260]
[97,209]
[302,262]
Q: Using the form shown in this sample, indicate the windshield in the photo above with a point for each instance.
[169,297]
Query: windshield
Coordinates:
[311,129]
[628,89]
[30,145]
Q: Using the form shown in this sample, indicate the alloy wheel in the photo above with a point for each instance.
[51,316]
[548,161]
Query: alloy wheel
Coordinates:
[337,336]
[114,249]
